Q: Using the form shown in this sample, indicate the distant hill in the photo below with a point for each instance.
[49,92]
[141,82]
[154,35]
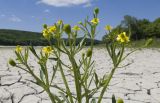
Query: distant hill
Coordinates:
[18,37]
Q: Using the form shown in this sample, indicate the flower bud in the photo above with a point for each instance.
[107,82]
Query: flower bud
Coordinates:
[120,100]
[89,52]
[83,54]
[80,22]
[96,10]
[12,62]
[67,28]
[59,22]
[113,99]
[45,26]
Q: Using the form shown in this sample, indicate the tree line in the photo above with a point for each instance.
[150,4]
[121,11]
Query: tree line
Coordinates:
[18,37]
[138,28]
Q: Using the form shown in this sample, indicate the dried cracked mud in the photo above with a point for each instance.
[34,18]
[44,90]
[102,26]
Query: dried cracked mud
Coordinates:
[139,82]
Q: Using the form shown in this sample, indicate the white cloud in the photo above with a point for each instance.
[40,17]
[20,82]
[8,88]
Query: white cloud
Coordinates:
[47,11]
[32,16]
[60,3]
[2,15]
[87,5]
[14,18]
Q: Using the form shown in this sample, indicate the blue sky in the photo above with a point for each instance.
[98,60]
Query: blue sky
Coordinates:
[31,14]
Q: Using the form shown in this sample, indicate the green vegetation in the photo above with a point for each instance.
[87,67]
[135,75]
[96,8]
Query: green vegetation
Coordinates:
[139,30]
[139,43]
[17,37]
[87,82]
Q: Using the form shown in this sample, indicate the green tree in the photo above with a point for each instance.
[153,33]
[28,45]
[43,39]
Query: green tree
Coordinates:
[156,24]
[143,26]
[131,23]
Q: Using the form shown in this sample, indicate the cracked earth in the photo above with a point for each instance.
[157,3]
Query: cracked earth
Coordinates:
[139,82]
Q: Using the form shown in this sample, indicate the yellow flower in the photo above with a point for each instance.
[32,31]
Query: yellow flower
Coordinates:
[108,27]
[18,48]
[95,21]
[47,49]
[52,29]
[122,37]
[47,31]
[46,34]
[76,28]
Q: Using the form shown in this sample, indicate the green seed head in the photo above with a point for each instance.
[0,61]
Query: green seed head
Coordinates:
[45,26]
[12,62]
[89,52]
[80,22]
[96,10]
[67,28]
[120,100]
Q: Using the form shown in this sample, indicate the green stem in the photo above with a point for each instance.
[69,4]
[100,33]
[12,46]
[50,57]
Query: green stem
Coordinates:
[63,76]
[65,82]
[88,64]
[70,43]
[87,99]
[106,85]
[121,55]
[46,75]
[54,73]
[87,96]
[42,84]
[50,95]
[35,77]
[87,70]
[116,62]
[77,78]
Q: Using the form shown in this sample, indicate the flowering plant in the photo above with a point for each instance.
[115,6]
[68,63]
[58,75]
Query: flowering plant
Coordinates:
[81,71]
